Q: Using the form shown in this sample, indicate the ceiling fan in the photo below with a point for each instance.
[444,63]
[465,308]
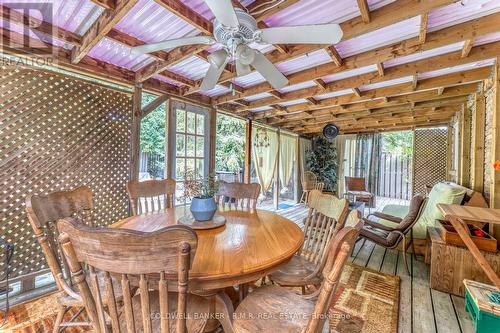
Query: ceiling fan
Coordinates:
[235,29]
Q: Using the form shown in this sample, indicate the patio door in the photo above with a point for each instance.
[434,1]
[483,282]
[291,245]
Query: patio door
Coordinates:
[191,128]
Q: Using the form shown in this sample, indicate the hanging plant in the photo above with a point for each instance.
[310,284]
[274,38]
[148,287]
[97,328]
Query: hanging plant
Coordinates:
[261,139]
[322,161]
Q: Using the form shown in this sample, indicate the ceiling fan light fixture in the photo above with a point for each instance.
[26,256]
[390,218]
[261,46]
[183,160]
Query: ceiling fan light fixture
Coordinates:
[245,54]
[218,58]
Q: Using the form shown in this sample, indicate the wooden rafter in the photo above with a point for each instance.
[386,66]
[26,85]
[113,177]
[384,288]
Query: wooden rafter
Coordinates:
[106,4]
[321,84]
[356,92]
[467,47]
[258,5]
[423,28]
[364,10]
[380,68]
[100,28]
[332,51]
[187,14]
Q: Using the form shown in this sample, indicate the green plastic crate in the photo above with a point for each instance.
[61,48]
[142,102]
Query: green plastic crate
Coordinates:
[484,322]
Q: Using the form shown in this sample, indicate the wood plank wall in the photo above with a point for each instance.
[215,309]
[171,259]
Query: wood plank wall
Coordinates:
[58,133]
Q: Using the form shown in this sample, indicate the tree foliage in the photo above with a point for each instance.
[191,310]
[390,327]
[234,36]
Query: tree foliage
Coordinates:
[152,137]
[230,144]
[322,161]
[398,143]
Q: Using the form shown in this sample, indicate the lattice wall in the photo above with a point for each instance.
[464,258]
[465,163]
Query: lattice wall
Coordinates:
[429,157]
[59,133]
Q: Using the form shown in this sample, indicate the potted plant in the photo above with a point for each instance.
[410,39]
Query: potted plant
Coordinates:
[201,192]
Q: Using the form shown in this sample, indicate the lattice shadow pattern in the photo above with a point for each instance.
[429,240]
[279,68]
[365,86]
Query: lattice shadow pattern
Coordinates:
[58,133]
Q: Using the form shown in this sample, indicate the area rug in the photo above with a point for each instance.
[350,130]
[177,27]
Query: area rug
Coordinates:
[365,301]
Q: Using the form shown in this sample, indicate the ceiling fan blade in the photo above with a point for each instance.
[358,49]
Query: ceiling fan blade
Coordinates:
[242,69]
[168,44]
[218,61]
[304,34]
[224,12]
[269,71]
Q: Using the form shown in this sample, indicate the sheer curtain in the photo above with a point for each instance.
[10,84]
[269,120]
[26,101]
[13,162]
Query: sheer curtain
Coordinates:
[367,159]
[288,146]
[265,157]
[346,145]
[304,146]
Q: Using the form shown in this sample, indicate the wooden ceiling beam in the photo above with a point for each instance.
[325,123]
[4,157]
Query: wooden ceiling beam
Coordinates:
[356,92]
[332,51]
[100,28]
[443,37]
[321,84]
[380,68]
[261,4]
[106,4]
[381,17]
[183,11]
[353,82]
[364,10]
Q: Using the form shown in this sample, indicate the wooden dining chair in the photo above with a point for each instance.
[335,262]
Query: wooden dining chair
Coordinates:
[157,262]
[151,195]
[356,187]
[238,195]
[309,183]
[43,212]
[327,215]
[273,308]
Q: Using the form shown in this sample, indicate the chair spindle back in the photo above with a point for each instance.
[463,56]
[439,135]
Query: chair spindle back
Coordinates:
[151,195]
[238,195]
[43,212]
[326,216]
[168,252]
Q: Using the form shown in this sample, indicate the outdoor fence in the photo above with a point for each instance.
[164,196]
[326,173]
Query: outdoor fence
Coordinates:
[395,176]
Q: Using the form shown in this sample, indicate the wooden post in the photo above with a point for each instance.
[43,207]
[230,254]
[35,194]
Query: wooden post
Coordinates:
[212,140]
[248,152]
[477,153]
[495,146]
[167,140]
[296,177]
[276,193]
[170,127]
[135,132]
[465,147]
[458,150]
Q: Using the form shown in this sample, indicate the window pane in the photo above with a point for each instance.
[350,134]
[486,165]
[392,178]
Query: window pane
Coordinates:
[180,146]
[179,168]
[200,124]
[190,145]
[191,116]
[200,170]
[181,121]
[200,146]
[190,165]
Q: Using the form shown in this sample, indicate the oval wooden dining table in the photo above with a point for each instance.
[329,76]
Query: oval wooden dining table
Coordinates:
[252,244]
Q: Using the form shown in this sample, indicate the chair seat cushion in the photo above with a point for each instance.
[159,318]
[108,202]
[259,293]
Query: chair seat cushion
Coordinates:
[294,273]
[381,237]
[272,309]
[361,194]
[197,312]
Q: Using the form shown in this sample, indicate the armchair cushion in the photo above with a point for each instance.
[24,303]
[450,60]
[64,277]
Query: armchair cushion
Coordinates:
[388,217]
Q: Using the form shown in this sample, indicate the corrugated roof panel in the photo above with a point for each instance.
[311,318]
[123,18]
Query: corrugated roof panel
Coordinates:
[151,22]
[257,96]
[350,73]
[37,37]
[167,80]
[319,11]
[490,38]
[75,16]
[217,91]
[456,69]
[250,79]
[424,54]
[193,68]
[333,94]
[294,102]
[201,7]
[297,86]
[262,108]
[118,54]
[460,12]
[387,83]
[384,36]
[305,61]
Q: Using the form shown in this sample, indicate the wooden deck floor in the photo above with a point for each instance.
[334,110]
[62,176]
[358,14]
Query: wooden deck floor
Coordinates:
[421,309]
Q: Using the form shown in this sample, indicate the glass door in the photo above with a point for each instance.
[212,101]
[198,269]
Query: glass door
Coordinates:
[191,145]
